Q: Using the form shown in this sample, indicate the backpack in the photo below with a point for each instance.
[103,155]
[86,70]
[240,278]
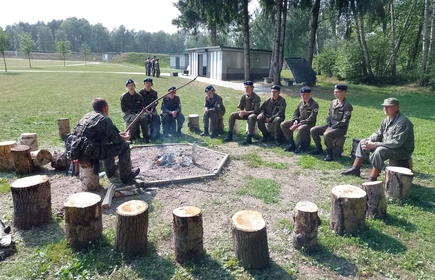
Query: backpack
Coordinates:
[74,146]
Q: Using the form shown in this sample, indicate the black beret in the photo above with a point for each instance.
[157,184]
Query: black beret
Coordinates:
[305,89]
[249,83]
[341,87]
[172,88]
[208,88]
[129,81]
[148,80]
[276,87]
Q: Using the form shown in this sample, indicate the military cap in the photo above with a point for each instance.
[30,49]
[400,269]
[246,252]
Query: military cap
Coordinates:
[208,88]
[276,87]
[305,89]
[392,101]
[129,81]
[172,88]
[148,80]
[341,87]
[249,83]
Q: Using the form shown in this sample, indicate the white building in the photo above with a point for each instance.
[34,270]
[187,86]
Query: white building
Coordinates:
[178,61]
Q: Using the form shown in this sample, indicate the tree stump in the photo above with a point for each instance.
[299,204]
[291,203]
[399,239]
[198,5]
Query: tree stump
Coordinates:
[22,159]
[305,224]
[250,239]
[40,158]
[6,159]
[83,219]
[90,181]
[193,122]
[29,139]
[59,160]
[32,201]
[188,233]
[407,163]
[398,181]
[348,209]
[64,128]
[131,235]
[376,199]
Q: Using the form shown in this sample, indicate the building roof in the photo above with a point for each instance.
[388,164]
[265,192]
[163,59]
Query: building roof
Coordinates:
[214,48]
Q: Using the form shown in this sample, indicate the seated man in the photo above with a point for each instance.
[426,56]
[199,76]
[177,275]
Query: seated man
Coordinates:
[149,96]
[103,141]
[171,112]
[394,139]
[132,104]
[214,110]
[248,109]
[304,118]
[337,122]
[272,113]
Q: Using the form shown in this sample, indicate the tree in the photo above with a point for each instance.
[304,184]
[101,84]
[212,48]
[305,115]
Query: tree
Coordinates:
[313,30]
[246,45]
[64,48]
[45,41]
[85,50]
[27,45]
[4,45]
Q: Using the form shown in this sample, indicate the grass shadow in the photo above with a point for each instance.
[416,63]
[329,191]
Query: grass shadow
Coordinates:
[46,234]
[379,241]
[422,197]
[338,264]
[273,271]
[207,268]
[398,222]
[11,73]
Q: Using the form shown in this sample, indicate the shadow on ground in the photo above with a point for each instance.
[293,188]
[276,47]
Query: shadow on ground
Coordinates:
[379,241]
[338,264]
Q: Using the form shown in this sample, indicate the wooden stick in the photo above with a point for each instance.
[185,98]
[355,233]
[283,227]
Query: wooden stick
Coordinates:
[108,198]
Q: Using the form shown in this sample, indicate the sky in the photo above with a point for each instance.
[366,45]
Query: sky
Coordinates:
[149,15]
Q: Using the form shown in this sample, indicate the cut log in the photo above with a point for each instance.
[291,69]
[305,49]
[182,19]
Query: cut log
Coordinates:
[6,160]
[64,128]
[22,159]
[107,201]
[59,160]
[32,201]
[305,224]
[348,209]
[131,235]
[193,122]
[40,158]
[376,199]
[398,181]
[83,219]
[29,139]
[90,181]
[188,233]
[250,239]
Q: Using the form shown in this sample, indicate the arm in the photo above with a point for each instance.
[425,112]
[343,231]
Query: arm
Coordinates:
[398,138]
[256,102]
[164,107]
[281,111]
[124,106]
[178,102]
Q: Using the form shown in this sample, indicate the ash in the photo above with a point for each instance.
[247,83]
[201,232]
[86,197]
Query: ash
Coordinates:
[173,159]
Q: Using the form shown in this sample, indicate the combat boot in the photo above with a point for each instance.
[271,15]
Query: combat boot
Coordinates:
[300,148]
[229,137]
[265,137]
[354,171]
[205,133]
[291,146]
[129,179]
[329,156]
[318,150]
[214,134]
[277,142]
[248,140]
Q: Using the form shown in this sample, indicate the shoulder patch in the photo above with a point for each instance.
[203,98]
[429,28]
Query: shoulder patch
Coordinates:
[316,110]
[347,113]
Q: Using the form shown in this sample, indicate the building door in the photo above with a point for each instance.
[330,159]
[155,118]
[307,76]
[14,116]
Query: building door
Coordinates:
[200,63]
[177,62]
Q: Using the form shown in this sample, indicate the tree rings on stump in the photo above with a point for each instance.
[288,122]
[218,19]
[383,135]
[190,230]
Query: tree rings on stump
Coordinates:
[398,181]
[40,158]
[83,219]
[376,199]
[32,201]
[6,160]
[250,239]
[348,209]
[188,233]
[131,235]
[22,159]
[305,224]
[193,122]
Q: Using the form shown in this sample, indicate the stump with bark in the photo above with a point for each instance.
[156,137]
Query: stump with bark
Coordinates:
[398,181]
[193,122]
[32,201]
[6,160]
[250,239]
[89,180]
[305,225]
[131,235]
[64,128]
[348,209]
[40,158]
[188,233]
[376,199]
[22,159]
[29,139]
[83,219]
[407,163]
[59,160]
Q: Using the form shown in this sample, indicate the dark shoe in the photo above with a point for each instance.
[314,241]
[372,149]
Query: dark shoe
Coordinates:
[277,142]
[248,140]
[317,151]
[145,140]
[205,133]
[265,137]
[329,156]
[179,134]
[229,137]
[299,149]
[290,147]
[130,177]
[214,134]
[353,171]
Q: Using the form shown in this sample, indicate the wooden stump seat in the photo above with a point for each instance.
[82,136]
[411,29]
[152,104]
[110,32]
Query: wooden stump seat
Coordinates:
[305,224]
[89,180]
[250,239]
[193,122]
[29,139]
[6,159]
[131,235]
[348,209]
[188,233]
[83,219]
[407,163]
[376,199]
[64,128]
[236,128]
[32,201]
[22,159]
[398,181]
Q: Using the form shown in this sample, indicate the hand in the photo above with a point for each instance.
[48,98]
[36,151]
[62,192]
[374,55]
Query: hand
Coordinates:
[174,113]
[293,127]
[242,114]
[368,145]
[205,111]
[125,135]
[260,116]
[268,120]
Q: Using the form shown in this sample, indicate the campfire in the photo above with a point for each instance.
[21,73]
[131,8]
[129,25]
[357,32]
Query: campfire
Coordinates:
[171,159]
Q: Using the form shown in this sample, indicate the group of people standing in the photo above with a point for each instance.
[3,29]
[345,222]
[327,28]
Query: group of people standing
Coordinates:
[152,67]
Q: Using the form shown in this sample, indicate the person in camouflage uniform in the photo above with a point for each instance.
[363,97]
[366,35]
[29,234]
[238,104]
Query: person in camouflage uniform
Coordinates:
[153,63]
[171,113]
[150,96]
[394,139]
[272,113]
[214,110]
[337,122]
[131,105]
[148,66]
[105,142]
[248,109]
[304,118]
[157,67]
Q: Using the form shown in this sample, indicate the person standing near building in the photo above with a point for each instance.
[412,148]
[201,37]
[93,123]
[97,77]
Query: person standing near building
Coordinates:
[157,67]
[214,110]
[147,67]
[150,96]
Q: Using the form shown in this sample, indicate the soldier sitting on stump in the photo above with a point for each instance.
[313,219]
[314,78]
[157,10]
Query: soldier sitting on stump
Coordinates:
[149,96]
[171,112]
[213,111]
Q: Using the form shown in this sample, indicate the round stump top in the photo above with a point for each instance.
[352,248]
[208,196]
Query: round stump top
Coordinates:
[372,183]
[401,170]
[28,134]
[248,220]
[306,206]
[82,200]
[29,181]
[20,148]
[348,191]
[132,208]
[187,211]
[62,119]
[193,116]
[7,143]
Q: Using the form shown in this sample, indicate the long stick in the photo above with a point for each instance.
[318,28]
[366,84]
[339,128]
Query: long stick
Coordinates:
[136,119]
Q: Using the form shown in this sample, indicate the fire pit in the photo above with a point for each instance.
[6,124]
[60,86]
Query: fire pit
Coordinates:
[176,163]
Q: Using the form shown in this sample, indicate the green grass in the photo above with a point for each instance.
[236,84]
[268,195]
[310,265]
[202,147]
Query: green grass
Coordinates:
[4,185]
[254,160]
[265,189]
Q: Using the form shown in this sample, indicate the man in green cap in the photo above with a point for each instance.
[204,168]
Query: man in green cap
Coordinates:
[394,139]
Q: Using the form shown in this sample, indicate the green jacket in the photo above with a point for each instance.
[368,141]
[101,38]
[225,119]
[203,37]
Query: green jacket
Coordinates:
[274,108]
[306,113]
[339,114]
[250,103]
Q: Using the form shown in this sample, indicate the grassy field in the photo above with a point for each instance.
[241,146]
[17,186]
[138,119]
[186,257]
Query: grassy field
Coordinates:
[399,247]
